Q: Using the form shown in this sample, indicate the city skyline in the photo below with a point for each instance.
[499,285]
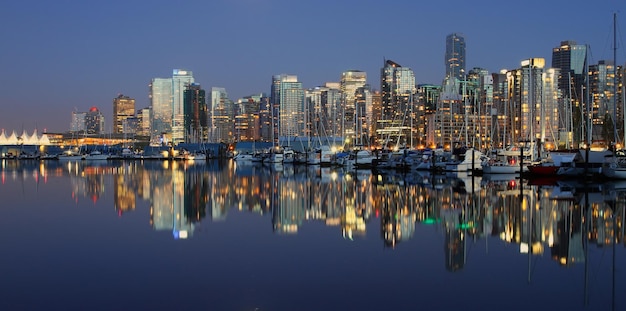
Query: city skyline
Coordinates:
[63,57]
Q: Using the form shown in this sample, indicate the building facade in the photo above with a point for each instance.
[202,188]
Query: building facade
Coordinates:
[123,108]
[221,116]
[180,80]
[195,112]
[455,56]
[161,106]
[398,89]
[351,81]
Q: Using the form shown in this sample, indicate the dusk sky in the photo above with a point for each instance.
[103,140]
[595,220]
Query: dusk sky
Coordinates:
[59,56]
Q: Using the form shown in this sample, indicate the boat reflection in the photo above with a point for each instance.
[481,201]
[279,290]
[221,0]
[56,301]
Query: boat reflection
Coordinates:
[558,218]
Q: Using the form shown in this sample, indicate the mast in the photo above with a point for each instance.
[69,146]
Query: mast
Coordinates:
[616,136]
[568,113]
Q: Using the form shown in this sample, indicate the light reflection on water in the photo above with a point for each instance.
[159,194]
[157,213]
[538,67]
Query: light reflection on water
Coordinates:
[552,241]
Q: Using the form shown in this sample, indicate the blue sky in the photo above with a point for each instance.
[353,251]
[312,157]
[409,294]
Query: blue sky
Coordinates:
[61,55]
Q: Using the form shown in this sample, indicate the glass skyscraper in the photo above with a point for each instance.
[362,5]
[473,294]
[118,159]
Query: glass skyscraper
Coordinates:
[161,104]
[195,109]
[397,86]
[351,81]
[180,80]
[221,116]
[455,56]
[291,107]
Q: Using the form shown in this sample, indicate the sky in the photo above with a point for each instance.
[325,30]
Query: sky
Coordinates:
[62,56]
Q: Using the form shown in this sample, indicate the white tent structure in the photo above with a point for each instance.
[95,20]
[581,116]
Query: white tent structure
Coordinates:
[24,139]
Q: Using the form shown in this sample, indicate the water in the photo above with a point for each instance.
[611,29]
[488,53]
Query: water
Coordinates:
[222,236]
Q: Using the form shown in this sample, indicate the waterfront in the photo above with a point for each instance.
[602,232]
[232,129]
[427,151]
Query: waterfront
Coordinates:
[218,236]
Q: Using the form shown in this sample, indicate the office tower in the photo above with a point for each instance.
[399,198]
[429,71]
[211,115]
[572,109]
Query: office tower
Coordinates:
[533,103]
[324,113]
[397,85]
[144,116]
[195,112]
[77,124]
[351,80]
[571,59]
[363,116]
[161,105]
[123,108]
[94,121]
[90,122]
[180,80]
[499,111]
[288,95]
[478,101]
[606,110]
[265,120]
[221,116]
[251,110]
[427,99]
[455,56]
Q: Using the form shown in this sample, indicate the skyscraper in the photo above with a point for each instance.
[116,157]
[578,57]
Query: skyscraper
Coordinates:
[291,107]
[221,116]
[606,111]
[571,59]
[161,104]
[123,108]
[287,101]
[455,56]
[351,81]
[94,121]
[195,111]
[397,85]
[180,80]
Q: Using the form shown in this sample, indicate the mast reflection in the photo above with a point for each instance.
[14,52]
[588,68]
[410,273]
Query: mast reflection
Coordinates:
[562,218]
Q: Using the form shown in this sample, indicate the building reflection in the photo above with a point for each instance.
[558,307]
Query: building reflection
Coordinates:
[560,219]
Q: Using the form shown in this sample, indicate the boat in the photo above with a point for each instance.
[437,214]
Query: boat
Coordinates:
[69,155]
[360,159]
[615,166]
[507,161]
[244,157]
[274,155]
[465,160]
[95,156]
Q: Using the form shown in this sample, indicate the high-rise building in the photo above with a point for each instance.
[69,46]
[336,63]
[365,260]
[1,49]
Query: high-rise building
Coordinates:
[78,122]
[397,85]
[606,110]
[90,122]
[123,108]
[144,116]
[533,97]
[180,80]
[363,116]
[455,56]
[351,81]
[195,111]
[161,105]
[221,116]
[251,111]
[571,59]
[94,121]
[288,96]
[324,112]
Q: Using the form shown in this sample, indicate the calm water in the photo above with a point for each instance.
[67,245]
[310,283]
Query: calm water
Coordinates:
[221,236]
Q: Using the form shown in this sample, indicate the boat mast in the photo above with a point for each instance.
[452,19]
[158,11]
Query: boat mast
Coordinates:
[616,136]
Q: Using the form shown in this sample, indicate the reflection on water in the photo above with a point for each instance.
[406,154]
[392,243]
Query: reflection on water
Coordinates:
[449,218]
[553,218]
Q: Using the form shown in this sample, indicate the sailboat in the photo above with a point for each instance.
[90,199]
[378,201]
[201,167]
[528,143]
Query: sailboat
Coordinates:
[615,167]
